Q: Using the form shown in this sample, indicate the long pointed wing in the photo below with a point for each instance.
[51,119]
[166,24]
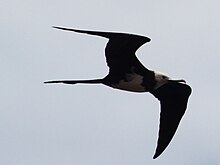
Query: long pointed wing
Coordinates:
[120,50]
[173,99]
[120,53]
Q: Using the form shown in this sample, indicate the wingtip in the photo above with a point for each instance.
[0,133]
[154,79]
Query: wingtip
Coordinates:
[63,28]
[57,27]
[156,155]
[54,26]
[70,29]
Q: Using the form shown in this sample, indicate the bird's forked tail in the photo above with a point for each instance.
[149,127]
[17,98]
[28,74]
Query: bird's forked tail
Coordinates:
[96,81]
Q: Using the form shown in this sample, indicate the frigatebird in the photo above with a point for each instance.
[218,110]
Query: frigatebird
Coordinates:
[126,72]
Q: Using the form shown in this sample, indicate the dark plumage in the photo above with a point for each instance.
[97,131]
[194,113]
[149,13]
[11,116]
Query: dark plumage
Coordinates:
[127,73]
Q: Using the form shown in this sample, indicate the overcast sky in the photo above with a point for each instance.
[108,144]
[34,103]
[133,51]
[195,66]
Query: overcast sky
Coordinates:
[93,124]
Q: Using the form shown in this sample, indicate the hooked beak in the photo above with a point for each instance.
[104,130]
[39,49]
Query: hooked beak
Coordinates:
[178,81]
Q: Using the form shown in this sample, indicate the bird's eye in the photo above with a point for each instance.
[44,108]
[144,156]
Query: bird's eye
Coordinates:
[163,77]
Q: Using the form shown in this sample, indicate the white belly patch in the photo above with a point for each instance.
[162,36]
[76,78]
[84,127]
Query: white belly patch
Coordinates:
[133,83]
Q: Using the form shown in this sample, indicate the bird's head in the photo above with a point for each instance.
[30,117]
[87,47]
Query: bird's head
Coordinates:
[162,79]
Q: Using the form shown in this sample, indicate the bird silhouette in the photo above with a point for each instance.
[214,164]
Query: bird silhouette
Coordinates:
[127,73]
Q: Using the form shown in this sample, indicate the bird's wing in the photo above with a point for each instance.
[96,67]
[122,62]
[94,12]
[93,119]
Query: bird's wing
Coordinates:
[120,50]
[173,99]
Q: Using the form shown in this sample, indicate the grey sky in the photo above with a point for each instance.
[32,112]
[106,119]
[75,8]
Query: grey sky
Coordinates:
[91,125]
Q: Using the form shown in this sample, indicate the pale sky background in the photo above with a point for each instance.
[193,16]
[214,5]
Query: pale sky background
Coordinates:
[93,124]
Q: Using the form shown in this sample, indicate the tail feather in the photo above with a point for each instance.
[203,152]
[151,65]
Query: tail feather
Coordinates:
[96,81]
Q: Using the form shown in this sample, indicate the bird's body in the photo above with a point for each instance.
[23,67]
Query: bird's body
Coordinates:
[132,82]
[127,73]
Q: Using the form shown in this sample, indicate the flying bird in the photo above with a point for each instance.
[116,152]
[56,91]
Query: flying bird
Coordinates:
[126,72]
